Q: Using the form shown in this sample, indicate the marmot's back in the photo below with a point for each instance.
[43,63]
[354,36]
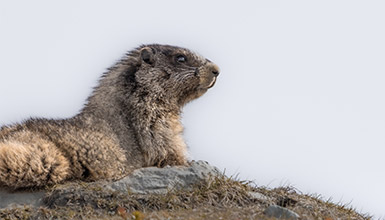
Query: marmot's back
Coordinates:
[131,120]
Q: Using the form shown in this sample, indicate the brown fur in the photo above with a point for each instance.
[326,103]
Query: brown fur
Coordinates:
[131,120]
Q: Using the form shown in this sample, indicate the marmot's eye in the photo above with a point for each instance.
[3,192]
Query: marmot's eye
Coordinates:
[181,59]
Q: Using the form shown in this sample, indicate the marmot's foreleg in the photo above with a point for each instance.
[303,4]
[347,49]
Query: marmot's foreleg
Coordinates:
[31,164]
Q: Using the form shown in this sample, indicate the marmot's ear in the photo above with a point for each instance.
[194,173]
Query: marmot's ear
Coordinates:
[147,55]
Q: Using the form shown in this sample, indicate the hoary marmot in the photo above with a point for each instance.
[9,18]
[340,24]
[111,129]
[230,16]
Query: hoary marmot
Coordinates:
[131,120]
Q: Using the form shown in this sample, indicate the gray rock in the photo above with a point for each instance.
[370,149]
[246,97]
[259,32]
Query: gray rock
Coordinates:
[9,199]
[280,212]
[259,196]
[153,180]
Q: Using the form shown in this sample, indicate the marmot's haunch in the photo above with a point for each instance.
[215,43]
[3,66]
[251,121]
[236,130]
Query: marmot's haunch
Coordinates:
[131,120]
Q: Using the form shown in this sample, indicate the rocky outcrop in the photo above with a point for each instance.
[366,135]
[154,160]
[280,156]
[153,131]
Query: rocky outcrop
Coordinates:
[199,189]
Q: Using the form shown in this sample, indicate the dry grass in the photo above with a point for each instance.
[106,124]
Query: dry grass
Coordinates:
[218,198]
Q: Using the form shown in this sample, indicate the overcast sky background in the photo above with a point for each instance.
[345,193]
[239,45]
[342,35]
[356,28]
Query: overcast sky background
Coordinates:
[300,99]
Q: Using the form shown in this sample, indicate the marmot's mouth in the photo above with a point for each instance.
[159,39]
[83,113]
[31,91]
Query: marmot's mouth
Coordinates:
[212,83]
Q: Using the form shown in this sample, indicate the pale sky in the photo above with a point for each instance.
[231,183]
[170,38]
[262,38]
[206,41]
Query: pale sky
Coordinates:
[300,99]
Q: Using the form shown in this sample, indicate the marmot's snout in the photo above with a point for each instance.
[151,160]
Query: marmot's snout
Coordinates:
[208,75]
[215,70]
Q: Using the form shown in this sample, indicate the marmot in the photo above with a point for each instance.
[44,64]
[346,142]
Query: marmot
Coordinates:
[131,120]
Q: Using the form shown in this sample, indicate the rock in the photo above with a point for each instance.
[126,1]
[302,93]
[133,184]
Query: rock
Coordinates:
[161,180]
[259,196]
[280,212]
[8,199]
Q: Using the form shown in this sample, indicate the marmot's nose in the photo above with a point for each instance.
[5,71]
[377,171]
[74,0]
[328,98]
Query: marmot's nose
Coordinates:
[215,69]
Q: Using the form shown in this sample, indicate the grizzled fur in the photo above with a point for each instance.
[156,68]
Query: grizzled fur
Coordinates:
[131,120]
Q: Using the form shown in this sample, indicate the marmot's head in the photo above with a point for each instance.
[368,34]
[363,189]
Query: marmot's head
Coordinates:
[171,72]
